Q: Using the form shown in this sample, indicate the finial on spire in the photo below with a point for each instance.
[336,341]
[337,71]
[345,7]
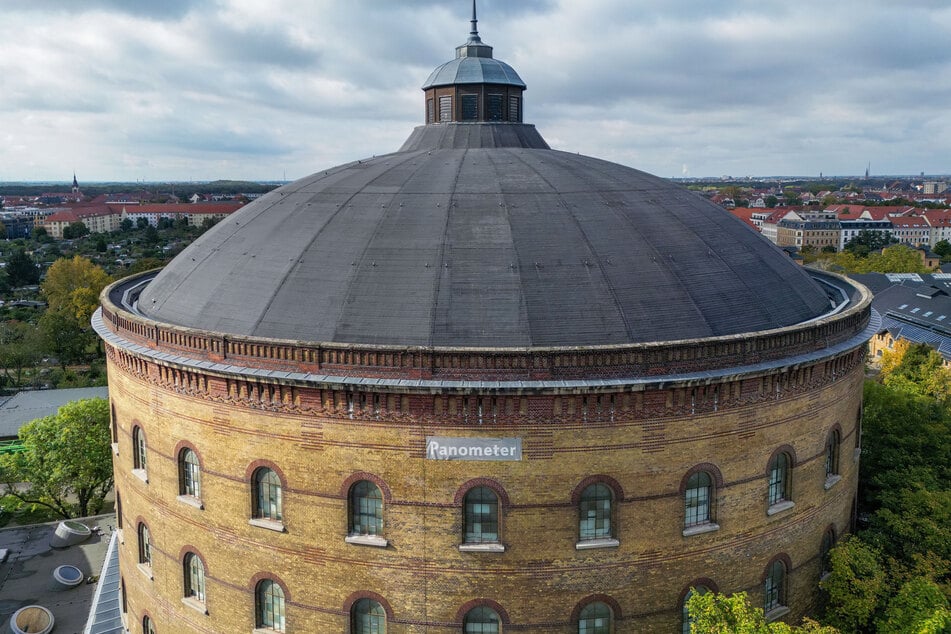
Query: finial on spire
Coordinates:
[474,28]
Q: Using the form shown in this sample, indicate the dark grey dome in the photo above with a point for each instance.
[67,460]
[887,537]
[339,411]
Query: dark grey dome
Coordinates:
[476,235]
[474,70]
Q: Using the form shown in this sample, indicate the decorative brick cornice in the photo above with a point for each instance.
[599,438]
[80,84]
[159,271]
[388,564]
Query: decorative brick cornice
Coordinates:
[646,403]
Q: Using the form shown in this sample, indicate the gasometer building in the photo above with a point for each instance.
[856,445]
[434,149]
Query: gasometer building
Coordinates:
[478,385]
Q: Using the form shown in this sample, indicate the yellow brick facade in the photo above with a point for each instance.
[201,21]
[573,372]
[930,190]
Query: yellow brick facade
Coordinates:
[541,578]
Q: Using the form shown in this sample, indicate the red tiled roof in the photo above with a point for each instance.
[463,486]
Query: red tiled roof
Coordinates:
[179,208]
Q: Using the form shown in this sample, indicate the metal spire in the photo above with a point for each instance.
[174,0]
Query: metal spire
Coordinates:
[474,28]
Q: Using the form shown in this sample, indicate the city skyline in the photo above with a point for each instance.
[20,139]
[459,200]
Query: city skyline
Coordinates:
[198,91]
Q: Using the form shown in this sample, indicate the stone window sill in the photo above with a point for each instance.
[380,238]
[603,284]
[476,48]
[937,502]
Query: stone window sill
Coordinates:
[482,548]
[121,535]
[779,507]
[271,525]
[856,454]
[115,448]
[700,529]
[191,500]
[777,613]
[146,570]
[367,540]
[195,604]
[141,474]
[602,542]
[831,481]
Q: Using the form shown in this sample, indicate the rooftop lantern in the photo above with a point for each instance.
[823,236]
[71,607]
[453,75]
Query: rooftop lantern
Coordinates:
[474,87]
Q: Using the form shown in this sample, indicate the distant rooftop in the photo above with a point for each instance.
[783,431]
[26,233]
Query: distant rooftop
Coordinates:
[24,407]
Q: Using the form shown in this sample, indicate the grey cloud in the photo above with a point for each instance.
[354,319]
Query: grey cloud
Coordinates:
[150,9]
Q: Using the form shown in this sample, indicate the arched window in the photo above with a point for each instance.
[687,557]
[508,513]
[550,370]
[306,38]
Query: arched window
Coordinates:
[269,606]
[266,491]
[367,617]
[113,425]
[194,577]
[366,509]
[145,545]
[825,553]
[118,510]
[147,626]
[481,620]
[779,479]
[698,497]
[139,451]
[189,473]
[686,620]
[595,618]
[594,512]
[481,518]
[832,454]
[775,587]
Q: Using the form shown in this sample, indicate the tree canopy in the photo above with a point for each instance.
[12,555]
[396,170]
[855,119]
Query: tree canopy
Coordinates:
[869,240]
[712,613]
[21,269]
[73,286]
[67,465]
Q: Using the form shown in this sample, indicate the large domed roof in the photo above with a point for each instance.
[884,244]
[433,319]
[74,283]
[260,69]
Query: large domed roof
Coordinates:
[489,246]
[476,234]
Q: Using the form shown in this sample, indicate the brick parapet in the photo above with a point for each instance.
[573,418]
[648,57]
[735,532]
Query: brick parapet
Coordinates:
[651,359]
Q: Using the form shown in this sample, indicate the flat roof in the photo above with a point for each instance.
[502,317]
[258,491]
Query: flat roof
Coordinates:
[26,577]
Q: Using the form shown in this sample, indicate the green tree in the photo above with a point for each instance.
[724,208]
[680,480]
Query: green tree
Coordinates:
[920,607]
[3,231]
[19,349]
[63,336]
[943,248]
[917,369]
[67,465]
[896,259]
[125,225]
[869,240]
[73,285]
[75,230]
[712,613]
[855,586]
[150,235]
[21,269]
[771,201]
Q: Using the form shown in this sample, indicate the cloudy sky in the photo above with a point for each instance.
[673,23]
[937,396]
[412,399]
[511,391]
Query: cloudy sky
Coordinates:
[196,90]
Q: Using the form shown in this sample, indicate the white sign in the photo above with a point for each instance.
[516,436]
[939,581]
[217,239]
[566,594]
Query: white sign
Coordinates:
[496,449]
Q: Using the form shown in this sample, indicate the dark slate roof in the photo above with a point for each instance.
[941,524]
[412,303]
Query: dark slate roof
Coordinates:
[474,70]
[482,246]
